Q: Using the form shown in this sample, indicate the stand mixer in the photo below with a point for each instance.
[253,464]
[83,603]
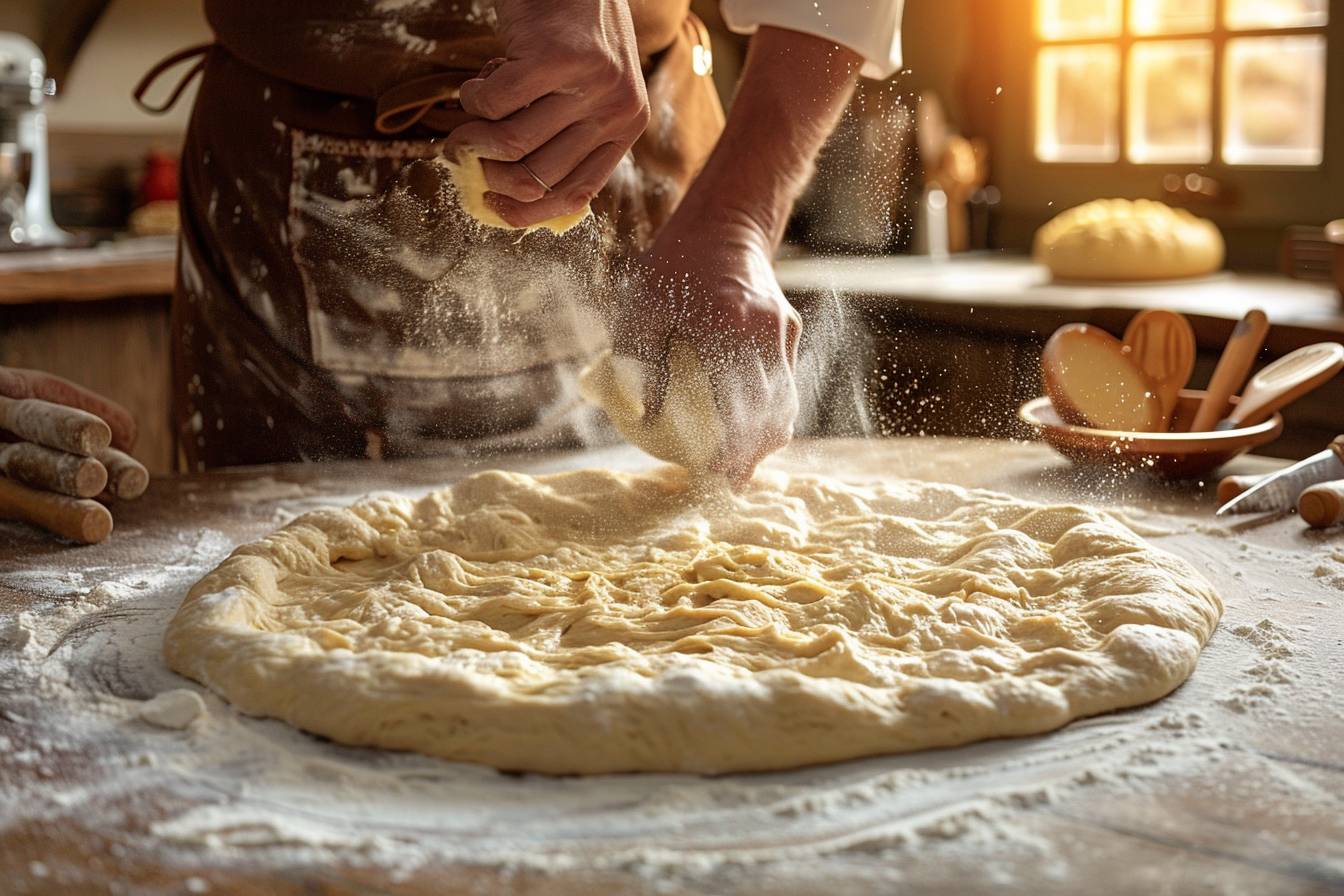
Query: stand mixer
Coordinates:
[25,186]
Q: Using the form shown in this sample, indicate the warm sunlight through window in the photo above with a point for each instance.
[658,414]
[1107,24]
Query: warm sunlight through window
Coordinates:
[1073,19]
[1173,81]
[1274,100]
[1171,16]
[1245,14]
[1170,101]
[1077,97]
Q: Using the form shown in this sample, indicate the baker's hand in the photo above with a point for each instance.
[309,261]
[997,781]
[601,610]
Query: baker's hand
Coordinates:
[560,111]
[19,384]
[710,284]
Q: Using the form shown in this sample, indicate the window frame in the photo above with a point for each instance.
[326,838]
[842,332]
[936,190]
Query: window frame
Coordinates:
[994,89]
[1219,36]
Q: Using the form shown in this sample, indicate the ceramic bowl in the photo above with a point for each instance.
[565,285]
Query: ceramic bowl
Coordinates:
[1171,455]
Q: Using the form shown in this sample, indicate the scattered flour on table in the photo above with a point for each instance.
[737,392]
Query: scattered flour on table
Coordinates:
[1270,668]
[1331,572]
[264,489]
[89,652]
[177,709]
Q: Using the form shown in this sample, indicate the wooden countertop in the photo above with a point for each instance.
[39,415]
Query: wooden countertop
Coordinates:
[1232,784]
[1007,290]
[141,266]
[987,280]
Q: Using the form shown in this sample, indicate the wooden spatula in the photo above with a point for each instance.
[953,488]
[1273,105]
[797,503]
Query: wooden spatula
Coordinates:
[1162,345]
[1285,381]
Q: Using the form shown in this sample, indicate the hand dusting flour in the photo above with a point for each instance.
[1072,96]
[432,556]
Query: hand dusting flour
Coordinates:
[103,734]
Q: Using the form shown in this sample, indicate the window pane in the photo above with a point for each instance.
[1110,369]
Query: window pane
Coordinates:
[1066,19]
[1171,101]
[1170,16]
[1243,14]
[1077,104]
[1274,100]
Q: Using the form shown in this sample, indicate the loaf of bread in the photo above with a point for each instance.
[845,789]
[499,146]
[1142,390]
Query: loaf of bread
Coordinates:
[1120,239]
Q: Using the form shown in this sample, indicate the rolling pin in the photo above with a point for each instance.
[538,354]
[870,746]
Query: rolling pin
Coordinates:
[55,425]
[1322,505]
[78,519]
[126,478]
[57,471]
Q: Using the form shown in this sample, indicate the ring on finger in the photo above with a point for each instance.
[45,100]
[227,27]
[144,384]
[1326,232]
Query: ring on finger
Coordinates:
[545,186]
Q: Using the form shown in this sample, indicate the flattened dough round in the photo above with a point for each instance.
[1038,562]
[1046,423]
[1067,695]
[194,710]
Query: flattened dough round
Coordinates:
[1119,239]
[598,621]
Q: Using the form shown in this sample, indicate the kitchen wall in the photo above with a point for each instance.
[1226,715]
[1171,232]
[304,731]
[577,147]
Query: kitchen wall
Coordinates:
[99,138]
[936,44]
[130,37]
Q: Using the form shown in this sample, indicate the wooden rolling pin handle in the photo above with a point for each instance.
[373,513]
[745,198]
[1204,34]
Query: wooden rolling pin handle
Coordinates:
[1322,505]
[77,519]
[55,425]
[127,478]
[57,471]
[1231,486]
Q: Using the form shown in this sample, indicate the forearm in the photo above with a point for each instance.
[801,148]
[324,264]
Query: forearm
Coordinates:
[793,89]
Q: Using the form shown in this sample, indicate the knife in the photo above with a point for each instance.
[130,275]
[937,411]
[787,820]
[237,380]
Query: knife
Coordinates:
[1279,491]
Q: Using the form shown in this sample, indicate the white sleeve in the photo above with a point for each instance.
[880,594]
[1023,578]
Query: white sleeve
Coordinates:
[871,28]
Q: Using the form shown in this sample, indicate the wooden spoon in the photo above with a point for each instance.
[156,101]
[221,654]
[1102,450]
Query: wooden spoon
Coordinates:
[1285,381]
[1092,382]
[1162,345]
[1236,362]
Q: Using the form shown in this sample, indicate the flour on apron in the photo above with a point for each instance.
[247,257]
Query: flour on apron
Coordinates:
[333,300]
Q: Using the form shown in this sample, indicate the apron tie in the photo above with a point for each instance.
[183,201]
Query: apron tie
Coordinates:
[431,101]
[197,52]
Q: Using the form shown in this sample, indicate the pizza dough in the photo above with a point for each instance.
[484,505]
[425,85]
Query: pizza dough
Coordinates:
[687,429]
[469,178]
[597,621]
[1116,239]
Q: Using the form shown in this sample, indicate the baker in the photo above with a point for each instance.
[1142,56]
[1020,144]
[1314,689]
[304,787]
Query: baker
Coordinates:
[334,300]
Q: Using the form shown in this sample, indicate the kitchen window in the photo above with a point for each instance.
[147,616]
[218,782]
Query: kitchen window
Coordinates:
[1239,83]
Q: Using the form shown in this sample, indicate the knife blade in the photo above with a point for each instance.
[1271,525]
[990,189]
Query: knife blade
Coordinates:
[1279,491]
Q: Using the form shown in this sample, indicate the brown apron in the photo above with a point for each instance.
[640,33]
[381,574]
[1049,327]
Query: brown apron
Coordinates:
[332,299]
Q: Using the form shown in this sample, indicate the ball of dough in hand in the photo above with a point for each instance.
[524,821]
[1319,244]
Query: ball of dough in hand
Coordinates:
[687,429]
[469,177]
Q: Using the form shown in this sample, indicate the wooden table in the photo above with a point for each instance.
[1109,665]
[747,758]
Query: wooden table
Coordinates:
[1234,784]
[142,266]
